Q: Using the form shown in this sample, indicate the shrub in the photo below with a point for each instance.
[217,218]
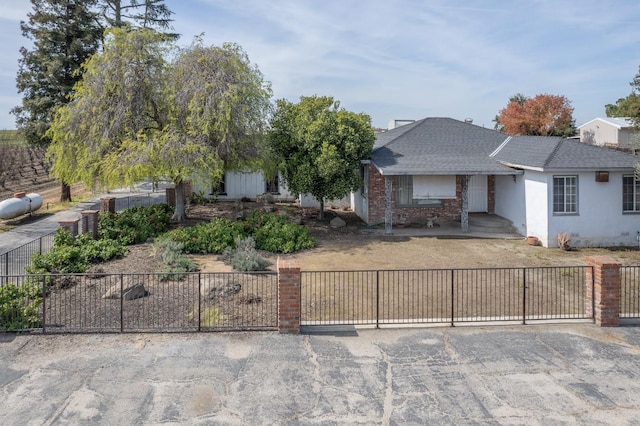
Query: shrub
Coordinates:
[270,231]
[20,306]
[212,237]
[564,241]
[244,256]
[74,254]
[135,224]
[177,263]
[277,235]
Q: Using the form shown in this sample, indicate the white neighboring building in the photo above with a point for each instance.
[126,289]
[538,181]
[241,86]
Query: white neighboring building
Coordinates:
[610,132]
[251,184]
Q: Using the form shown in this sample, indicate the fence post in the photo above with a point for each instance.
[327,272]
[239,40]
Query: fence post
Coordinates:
[121,303]
[70,225]
[288,296]
[107,205]
[453,300]
[199,301]
[377,299]
[90,223]
[603,292]
[44,304]
[524,296]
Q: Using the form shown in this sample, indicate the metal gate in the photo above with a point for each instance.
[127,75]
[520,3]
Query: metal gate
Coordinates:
[444,296]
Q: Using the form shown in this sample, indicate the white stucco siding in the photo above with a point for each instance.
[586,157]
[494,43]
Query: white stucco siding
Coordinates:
[510,201]
[600,221]
[537,205]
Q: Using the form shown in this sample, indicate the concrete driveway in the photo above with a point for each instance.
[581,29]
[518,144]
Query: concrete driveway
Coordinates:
[537,374]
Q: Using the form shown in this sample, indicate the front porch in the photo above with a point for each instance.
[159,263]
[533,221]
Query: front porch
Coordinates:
[481,225]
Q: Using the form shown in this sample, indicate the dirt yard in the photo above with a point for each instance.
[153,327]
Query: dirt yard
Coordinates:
[349,248]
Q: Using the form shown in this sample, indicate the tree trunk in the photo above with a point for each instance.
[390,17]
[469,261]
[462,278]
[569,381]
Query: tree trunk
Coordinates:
[180,214]
[321,213]
[65,192]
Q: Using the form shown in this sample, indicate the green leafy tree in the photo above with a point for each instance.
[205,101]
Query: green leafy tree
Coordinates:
[629,106]
[65,33]
[320,146]
[625,107]
[135,114]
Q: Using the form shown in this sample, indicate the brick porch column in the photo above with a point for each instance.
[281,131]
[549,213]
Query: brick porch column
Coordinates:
[288,296]
[90,223]
[107,205]
[603,298]
[70,225]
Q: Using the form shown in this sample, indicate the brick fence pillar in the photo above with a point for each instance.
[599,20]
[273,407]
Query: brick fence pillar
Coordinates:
[70,225]
[107,205]
[603,296]
[288,296]
[90,223]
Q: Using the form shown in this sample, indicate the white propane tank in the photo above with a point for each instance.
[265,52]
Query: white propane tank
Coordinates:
[20,204]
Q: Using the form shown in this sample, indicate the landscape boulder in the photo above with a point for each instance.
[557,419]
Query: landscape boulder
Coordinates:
[130,291]
[337,222]
[213,288]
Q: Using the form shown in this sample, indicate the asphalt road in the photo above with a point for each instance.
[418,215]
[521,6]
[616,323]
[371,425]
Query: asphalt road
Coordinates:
[536,374]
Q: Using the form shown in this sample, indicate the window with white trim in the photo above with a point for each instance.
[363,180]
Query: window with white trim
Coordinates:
[565,194]
[431,190]
[630,194]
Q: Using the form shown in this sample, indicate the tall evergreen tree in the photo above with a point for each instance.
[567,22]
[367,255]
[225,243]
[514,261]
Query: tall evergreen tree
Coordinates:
[65,33]
[153,14]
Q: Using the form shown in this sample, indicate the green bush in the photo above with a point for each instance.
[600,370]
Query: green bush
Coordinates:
[74,254]
[20,306]
[135,224]
[177,263]
[276,234]
[244,256]
[270,231]
[212,237]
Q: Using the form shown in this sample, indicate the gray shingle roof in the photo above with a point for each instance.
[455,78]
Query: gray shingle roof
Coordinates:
[438,146]
[448,146]
[553,153]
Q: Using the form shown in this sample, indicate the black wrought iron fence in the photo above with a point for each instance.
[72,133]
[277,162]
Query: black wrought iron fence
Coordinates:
[103,303]
[444,296]
[630,292]
[14,262]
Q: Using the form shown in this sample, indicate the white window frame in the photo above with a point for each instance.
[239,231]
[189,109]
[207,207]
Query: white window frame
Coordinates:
[636,194]
[568,205]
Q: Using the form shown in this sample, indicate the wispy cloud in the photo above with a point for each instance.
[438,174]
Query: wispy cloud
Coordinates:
[409,59]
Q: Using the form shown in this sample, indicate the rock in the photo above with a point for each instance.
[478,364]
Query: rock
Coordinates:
[337,222]
[297,220]
[269,208]
[130,291]
[266,198]
[214,287]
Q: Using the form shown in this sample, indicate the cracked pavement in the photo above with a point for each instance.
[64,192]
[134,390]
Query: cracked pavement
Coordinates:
[536,374]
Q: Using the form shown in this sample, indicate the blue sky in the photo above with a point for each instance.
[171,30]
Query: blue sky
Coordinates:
[402,59]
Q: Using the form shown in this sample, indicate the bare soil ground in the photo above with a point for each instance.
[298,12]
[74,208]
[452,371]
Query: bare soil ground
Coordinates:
[252,303]
[349,248]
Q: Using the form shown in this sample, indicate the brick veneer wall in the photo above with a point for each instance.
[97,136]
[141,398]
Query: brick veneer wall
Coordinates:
[449,212]
[288,296]
[603,298]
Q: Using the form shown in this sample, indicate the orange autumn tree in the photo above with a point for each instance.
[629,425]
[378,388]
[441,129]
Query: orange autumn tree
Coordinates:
[542,115]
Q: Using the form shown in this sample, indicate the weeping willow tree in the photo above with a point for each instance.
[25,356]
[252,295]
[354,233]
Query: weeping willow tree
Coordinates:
[145,108]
